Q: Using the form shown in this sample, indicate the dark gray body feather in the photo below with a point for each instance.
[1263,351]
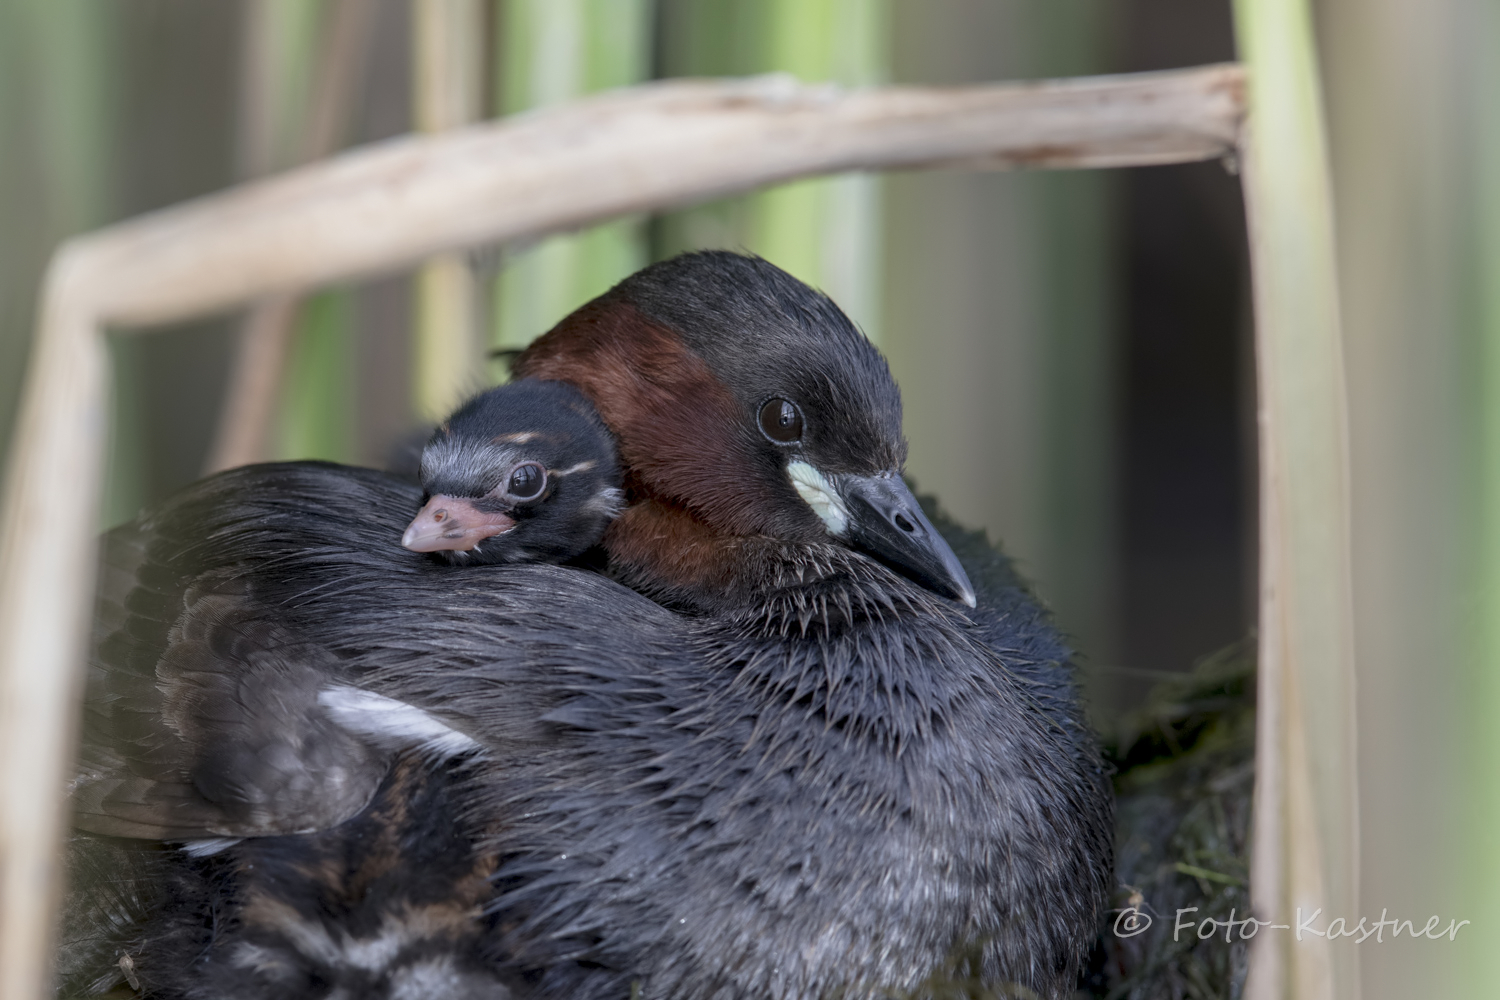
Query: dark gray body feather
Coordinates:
[845,788]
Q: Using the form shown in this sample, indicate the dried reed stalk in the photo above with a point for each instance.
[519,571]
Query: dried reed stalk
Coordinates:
[446,95]
[378,209]
[1306,837]
[255,376]
[265,334]
[632,150]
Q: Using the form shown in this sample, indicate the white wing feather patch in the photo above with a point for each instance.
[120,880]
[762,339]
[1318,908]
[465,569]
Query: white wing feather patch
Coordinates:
[208,846]
[391,723]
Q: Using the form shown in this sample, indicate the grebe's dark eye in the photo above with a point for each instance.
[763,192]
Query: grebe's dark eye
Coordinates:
[781,421]
[527,481]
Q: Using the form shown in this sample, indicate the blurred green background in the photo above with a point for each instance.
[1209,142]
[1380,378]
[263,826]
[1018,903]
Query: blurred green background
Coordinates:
[1074,349]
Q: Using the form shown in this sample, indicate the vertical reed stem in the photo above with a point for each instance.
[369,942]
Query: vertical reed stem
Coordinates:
[553,51]
[54,478]
[1481,866]
[1306,852]
[446,94]
[299,81]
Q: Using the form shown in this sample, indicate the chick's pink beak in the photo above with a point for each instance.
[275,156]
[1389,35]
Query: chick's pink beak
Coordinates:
[453,524]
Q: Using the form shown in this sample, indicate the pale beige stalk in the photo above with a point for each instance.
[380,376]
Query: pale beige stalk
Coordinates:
[278,131]
[1306,853]
[446,95]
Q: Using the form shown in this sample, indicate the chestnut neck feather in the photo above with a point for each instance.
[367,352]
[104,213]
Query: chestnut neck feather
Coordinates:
[704,492]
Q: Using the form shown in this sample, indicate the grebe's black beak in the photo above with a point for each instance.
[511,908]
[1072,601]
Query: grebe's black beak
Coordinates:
[886,522]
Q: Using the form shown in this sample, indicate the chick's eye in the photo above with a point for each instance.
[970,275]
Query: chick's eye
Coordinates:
[526,481]
[781,421]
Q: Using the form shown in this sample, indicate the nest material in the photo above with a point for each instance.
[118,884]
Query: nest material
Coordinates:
[1185,773]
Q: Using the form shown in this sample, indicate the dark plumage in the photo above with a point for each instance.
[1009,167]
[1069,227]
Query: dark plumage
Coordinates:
[208,720]
[799,771]
[208,716]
